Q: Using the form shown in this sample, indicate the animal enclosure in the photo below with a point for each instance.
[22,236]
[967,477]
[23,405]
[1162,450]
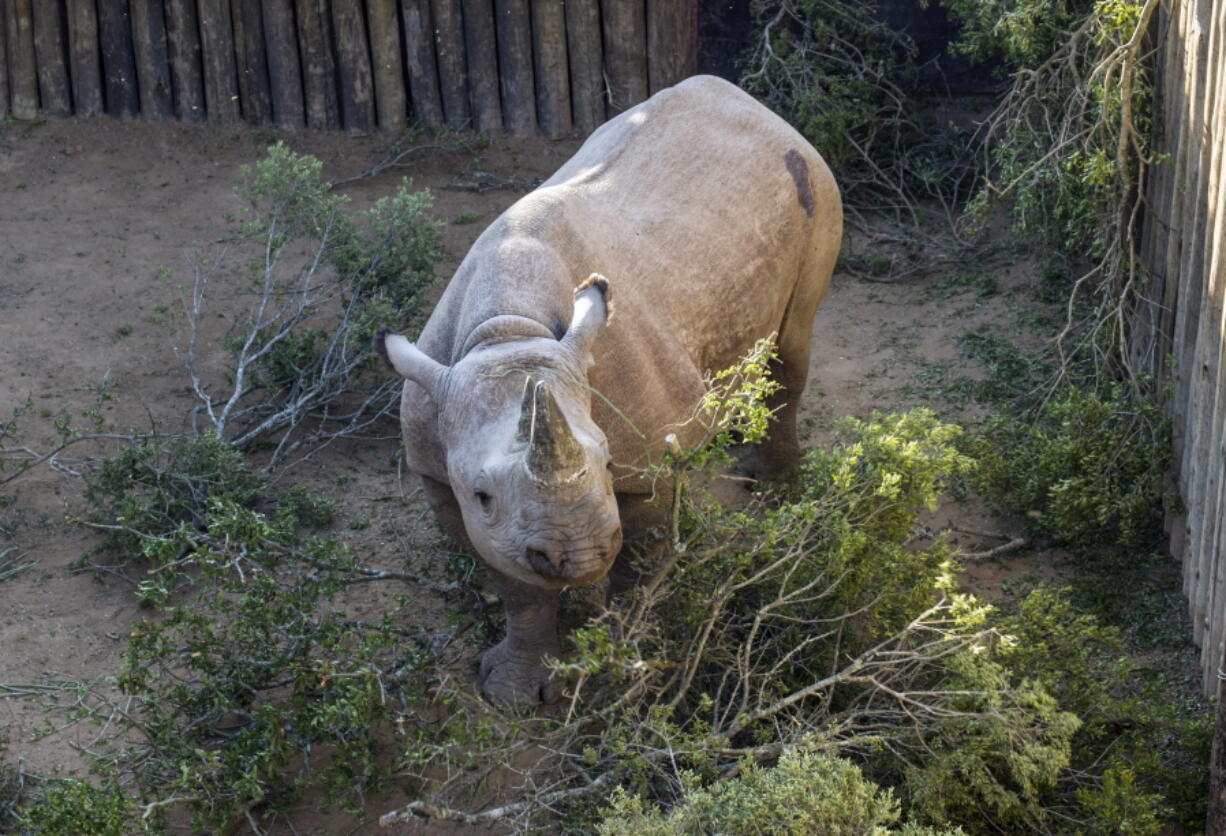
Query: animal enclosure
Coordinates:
[1180,334]
[519,66]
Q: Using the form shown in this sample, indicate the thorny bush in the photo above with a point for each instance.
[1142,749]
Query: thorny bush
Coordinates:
[1087,466]
[1068,147]
[248,682]
[317,281]
[849,83]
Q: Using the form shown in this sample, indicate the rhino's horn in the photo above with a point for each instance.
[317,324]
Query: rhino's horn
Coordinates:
[553,451]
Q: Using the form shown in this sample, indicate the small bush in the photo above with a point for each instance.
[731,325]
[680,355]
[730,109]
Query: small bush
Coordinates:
[321,281]
[232,686]
[815,615]
[257,685]
[1088,466]
[10,789]
[77,807]
[156,486]
[1019,33]
[805,793]
[1119,805]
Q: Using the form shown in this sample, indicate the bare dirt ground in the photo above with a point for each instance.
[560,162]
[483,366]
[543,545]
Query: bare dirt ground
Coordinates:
[99,221]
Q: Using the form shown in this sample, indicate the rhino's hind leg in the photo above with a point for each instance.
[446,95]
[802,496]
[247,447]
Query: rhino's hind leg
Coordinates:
[779,455]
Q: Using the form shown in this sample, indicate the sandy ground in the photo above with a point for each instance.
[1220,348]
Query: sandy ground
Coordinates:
[99,222]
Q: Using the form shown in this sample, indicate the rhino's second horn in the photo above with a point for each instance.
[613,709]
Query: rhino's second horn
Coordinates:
[554,454]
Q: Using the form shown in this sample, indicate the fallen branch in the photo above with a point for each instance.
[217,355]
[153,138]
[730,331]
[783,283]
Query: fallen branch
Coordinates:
[424,810]
[480,182]
[28,458]
[1013,545]
[397,157]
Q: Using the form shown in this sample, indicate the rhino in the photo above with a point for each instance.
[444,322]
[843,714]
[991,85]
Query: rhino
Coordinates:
[529,410]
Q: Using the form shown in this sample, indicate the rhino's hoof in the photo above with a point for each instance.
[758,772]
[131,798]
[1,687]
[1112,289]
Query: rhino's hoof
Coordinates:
[513,678]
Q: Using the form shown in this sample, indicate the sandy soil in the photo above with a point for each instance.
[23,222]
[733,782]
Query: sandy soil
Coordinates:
[99,221]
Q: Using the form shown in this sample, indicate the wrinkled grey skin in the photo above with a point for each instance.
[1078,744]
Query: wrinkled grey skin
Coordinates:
[717,224]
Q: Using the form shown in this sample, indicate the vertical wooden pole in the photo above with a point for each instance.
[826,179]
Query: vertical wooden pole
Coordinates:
[23,78]
[217,50]
[84,59]
[318,65]
[1211,379]
[353,61]
[391,104]
[481,46]
[552,69]
[49,42]
[513,27]
[672,42]
[284,70]
[625,47]
[4,67]
[118,58]
[587,90]
[421,65]
[1199,371]
[254,93]
[1173,58]
[152,62]
[452,78]
[183,52]
[1183,200]
[1193,141]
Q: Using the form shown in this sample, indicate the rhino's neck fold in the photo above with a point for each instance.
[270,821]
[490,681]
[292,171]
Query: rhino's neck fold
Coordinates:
[505,327]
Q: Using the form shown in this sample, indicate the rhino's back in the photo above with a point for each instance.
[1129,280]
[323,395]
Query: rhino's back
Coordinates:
[700,205]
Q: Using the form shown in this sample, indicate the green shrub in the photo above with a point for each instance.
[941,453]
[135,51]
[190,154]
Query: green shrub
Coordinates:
[1019,33]
[805,793]
[321,281]
[1079,661]
[157,486]
[1078,84]
[258,669]
[1073,670]
[1088,467]
[1121,806]
[11,787]
[232,686]
[77,807]
[816,614]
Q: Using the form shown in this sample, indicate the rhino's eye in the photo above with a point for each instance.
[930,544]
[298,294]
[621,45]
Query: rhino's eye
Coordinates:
[485,499]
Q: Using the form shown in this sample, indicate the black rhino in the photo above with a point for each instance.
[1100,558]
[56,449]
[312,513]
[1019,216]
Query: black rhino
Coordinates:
[716,224]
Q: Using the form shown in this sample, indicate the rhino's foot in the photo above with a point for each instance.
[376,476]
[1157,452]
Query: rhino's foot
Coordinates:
[510,676]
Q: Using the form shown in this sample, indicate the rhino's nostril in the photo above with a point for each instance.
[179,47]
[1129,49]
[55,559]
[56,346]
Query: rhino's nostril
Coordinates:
[541,562]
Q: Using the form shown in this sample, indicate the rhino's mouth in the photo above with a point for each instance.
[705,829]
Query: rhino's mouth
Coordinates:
[570,566]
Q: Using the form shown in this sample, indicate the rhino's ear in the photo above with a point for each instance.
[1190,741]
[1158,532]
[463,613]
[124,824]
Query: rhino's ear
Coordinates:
[409,361]
[592,311]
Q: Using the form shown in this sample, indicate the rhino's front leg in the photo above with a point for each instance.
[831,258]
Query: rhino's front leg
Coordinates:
[513,671]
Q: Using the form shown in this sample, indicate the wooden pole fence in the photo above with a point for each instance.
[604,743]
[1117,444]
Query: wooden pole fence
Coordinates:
[1179,331]
[557,67]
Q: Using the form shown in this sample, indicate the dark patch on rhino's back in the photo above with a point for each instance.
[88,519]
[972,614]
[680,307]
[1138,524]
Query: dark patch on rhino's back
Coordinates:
[800,176]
